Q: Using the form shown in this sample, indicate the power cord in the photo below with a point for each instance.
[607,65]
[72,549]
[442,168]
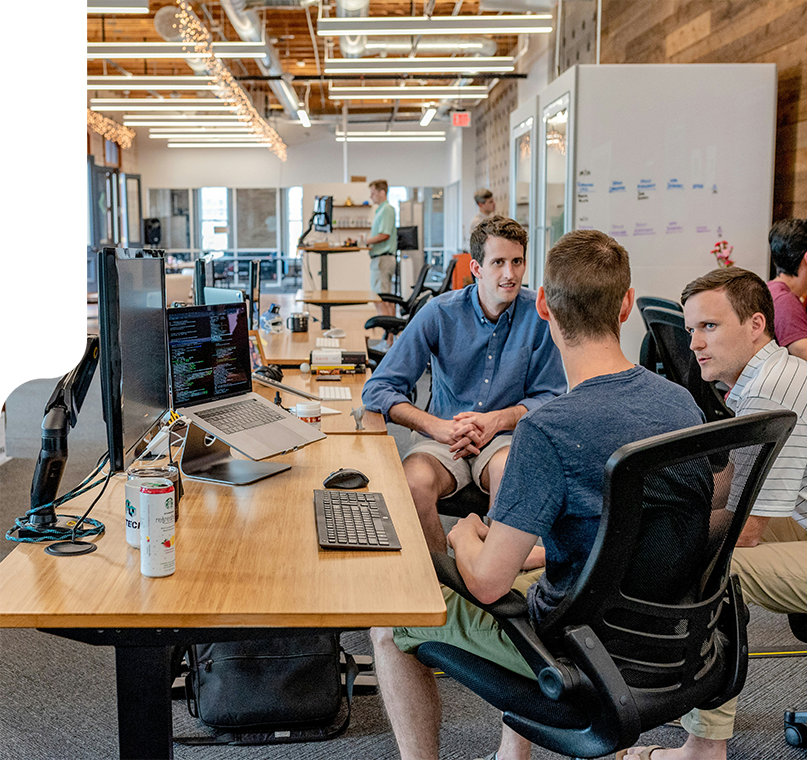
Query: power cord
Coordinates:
[59,533]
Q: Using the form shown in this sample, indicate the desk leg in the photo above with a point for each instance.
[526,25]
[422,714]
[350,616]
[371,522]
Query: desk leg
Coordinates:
[145,727]
[326,317]
[323,270]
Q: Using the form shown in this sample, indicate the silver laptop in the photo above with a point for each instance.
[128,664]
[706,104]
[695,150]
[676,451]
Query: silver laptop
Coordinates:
[211,383]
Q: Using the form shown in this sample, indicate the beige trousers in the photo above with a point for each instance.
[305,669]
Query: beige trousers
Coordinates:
[773,575]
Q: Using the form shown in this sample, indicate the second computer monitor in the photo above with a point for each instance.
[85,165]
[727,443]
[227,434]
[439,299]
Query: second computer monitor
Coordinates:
[323,213]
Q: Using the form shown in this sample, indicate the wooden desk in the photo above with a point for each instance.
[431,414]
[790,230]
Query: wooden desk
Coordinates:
[328,298]
[332,424]
[247,559]
[292,349]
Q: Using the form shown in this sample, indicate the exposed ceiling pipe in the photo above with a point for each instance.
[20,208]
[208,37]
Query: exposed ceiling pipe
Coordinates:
[249,28]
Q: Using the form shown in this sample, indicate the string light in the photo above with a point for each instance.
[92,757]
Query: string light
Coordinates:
[193,32]
[110,130]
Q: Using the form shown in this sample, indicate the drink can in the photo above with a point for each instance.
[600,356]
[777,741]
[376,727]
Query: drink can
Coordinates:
[136,476]
[157,528]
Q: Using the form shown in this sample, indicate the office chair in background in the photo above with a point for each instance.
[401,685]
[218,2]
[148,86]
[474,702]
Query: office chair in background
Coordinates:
[680,365]
[446,284]
[648,355]
[390,326]
[406,304]
[635,643]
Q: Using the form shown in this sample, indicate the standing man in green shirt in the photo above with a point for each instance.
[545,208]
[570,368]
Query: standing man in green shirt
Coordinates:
[383,243]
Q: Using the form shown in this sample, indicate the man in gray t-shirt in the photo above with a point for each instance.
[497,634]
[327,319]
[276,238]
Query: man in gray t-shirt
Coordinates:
[551,487]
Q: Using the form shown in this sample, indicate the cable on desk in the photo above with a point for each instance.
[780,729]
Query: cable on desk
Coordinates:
[95,528]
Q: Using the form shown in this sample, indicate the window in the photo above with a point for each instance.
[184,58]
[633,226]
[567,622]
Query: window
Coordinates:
[394,196]
[294,201]
[214,215]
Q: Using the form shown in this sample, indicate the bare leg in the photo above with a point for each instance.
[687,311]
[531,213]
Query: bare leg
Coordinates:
[410,695]
[513,746]
[490,479]
[428,481]
[695,748]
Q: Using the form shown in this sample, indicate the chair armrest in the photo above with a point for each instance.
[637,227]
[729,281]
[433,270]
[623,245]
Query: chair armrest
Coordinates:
[392,325]
[391,298]
[555,678]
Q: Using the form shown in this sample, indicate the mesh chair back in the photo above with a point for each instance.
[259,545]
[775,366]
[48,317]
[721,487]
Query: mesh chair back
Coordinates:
[417,289]
[655,589]
[680,365]
[445,285]
[656,302]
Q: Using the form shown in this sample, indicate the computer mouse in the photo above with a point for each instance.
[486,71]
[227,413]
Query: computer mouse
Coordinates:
[336,332]
[271,372]
[346,478]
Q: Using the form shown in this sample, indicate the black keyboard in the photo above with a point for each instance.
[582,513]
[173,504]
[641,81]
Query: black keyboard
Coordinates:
[354,520]
[239,416]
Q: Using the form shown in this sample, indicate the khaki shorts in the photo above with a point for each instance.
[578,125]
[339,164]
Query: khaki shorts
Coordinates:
[381,270]
[464,470]
[470,628]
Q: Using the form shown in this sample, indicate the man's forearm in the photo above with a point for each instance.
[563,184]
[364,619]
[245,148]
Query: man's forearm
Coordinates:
[411,417]
[509,417]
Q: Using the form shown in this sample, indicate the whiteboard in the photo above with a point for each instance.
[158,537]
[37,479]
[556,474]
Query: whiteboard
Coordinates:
[668,160]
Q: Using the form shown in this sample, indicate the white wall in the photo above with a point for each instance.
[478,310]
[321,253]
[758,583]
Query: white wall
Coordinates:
[314,160]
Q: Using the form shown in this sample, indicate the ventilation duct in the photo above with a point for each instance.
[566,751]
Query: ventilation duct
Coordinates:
[248,26]
[361,45]
[167,26]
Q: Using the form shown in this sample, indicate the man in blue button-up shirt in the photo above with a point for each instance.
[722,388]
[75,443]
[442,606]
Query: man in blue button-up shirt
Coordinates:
[492,360]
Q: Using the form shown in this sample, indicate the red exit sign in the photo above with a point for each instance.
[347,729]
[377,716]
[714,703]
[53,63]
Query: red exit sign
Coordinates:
[461,119]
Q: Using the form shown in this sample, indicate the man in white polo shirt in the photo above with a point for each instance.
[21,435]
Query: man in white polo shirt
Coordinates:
[729,314]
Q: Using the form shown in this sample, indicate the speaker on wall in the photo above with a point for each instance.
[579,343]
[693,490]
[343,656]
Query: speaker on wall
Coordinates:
[154,232]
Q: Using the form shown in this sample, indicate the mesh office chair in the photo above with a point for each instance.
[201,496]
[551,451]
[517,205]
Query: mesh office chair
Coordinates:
[654,625]
[445,285]
[648,355]
[391,326]
[680,365]
[407,304]
[796,720]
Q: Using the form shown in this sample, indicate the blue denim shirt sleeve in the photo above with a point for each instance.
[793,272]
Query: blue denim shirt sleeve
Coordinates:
[403,365]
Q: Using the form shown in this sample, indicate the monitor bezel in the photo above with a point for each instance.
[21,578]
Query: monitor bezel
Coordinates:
[111,363]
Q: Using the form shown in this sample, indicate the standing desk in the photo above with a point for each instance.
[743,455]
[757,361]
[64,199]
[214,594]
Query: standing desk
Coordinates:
[248,560]
[328,298]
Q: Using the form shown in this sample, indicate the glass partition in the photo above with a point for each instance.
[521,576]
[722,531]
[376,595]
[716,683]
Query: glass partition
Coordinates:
[556,171]
[523,163]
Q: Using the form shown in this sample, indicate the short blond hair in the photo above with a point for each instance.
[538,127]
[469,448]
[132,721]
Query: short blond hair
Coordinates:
[480,196]
[379,184]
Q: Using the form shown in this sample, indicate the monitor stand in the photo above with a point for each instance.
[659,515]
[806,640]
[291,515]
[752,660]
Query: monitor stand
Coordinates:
[214,463]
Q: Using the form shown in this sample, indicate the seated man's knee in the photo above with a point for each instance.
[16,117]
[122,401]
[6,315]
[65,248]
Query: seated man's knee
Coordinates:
[494,470]
[425,475]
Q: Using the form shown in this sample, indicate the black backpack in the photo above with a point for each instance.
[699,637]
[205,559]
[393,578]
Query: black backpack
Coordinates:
[279,689]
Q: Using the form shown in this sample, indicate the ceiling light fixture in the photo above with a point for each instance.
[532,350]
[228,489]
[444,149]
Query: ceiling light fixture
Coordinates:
[303,117]
[389,139]
[114,83]
[428,115]
[425,25]
[128,122]
[98,7]
[466,92]
[419,65]
[119,50]
[110,130]
[221,145]
[194,33]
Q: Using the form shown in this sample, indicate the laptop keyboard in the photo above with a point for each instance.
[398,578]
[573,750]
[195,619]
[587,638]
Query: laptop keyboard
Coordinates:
[240,416]
[354,520]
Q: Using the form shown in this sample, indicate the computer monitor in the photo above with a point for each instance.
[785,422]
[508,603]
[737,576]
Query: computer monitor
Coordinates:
[134,354]
[408,239]
[323,213]
[223,295]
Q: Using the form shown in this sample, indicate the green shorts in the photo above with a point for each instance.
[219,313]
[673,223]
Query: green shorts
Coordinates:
[470,628]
